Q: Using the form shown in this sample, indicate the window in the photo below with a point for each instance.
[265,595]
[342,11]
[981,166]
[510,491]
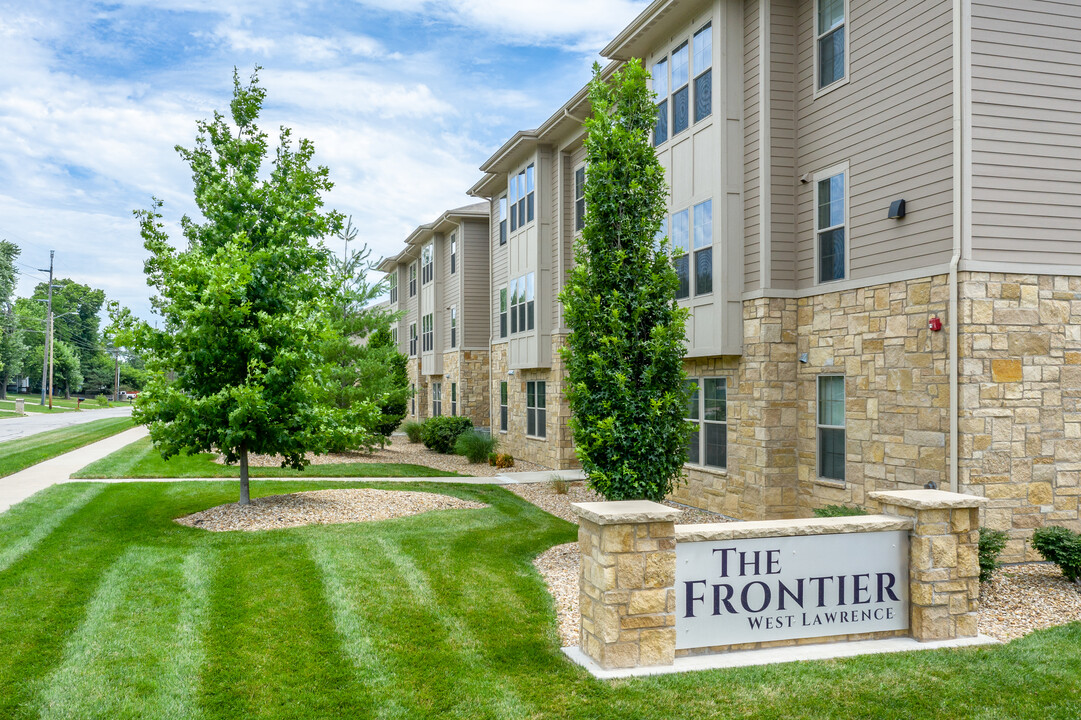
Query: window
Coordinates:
[427,264]
[503,220]
[660,87]
[454,326]
[412,339]
[703,65]
[530,183]
[512,195]
[453,253]
[707,408]
[831,427]
[393,280]
[681,95]
[503,407]
[502,312]
[412,280]
[413,396]
[454,399]
[681,242]
[522,304]
[437,399]
[830,36]
[394,337]
[535,413]
[830,216]
[703,248]
[662,233]
[427,333]
[579,199]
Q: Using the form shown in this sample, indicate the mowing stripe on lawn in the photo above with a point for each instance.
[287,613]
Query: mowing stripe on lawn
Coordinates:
[503,701]
[139,650]
[26,518]
[356,633]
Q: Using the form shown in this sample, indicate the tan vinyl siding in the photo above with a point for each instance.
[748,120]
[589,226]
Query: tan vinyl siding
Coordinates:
[1026,132]
[473,315]
[500,271]
[783,142]
[451,284]
[892,122]
[752,213]
[558,199]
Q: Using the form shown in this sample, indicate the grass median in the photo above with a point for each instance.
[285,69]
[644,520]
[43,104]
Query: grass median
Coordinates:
[110,609]
[141,460]
[20,454]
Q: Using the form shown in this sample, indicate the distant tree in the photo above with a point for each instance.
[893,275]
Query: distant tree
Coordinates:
[362,362]
[67,368]
[244,304]
[12,348]
[76,309]
[624,354]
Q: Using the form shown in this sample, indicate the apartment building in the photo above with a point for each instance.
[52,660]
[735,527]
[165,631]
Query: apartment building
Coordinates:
[439,283]
[882,252]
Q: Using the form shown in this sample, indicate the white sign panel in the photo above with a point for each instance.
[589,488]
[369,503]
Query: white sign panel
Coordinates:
[761,589]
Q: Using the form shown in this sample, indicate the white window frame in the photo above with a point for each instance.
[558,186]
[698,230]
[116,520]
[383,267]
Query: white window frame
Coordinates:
[454,399]
[412,339]
[820,91]
[841,168]
[454,326]
[392,280]
[427,267]
[579,200]
[437,399]
[453,253]
[540,413]
[702,422]
[504,406]
[413,278]
[501,203]
[504,306]
[819,426]
[427,333]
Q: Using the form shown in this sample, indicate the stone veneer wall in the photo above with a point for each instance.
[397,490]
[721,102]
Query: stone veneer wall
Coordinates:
[469,369]
[1020,402]
[556,450]
[896,388]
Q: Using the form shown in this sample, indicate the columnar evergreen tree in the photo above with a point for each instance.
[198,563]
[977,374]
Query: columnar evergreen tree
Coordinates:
[236,363]
[624,354]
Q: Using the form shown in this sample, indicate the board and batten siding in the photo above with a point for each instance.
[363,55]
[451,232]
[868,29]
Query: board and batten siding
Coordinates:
[892,122]
[1026,132]
[782,98]
[473,268]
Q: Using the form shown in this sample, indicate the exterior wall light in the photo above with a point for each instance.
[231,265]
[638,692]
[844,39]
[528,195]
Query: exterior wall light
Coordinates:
[897,209]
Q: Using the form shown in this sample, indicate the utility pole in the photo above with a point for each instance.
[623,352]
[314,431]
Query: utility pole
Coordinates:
[49,334]
[116,383]
[50,352]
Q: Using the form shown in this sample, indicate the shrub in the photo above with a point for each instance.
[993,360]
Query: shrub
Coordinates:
[838,511]
[992,542]
[1062,547]
[492,458]
[504,460]
[475,445]
[441,433]
[413,430]
[101,401]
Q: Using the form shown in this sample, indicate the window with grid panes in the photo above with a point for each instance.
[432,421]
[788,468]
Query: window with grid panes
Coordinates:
[454,326]
[579,199]
[437,399]
[503,409]
[535,409]
[707,408]
[831,427]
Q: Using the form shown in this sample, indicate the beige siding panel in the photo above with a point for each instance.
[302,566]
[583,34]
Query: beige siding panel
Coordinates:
[1026,132]
[751,155]
[473,313]
[783,22]
[892,122]
[500,270]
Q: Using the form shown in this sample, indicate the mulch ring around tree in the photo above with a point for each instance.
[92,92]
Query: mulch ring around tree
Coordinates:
[322,507]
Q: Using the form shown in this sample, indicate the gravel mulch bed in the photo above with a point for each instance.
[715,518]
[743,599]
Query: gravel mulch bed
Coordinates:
[1027,597]
[322,507]
[544,496]
[400,450]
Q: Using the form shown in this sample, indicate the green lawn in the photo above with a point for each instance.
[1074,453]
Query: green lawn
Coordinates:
[141,460]
[19,454]
[31,404]
[108,609]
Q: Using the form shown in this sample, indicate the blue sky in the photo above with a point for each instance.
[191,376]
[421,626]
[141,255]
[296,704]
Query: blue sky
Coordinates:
[403,98]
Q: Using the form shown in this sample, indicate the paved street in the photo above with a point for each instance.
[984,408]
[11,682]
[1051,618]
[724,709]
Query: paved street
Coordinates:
[15,428]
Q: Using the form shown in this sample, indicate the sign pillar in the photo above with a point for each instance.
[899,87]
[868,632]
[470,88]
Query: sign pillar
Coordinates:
[944,570]
[626,583]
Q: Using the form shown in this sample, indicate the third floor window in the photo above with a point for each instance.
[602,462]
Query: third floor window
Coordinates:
[688,69]
[830,41]
[393,280]
[412,280]
[427,264]
[521,197]
[503,220]
[453,253]
[579,199]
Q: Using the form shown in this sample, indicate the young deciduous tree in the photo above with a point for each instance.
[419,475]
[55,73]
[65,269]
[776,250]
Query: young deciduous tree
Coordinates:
[12,348]
[244,304]
[625,351]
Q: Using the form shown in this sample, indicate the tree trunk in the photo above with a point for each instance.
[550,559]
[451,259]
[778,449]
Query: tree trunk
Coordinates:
[67,390]
[244,498]
[4,385]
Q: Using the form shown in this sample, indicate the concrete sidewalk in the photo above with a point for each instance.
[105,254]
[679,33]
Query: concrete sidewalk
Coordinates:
[21,485]
[18,487]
